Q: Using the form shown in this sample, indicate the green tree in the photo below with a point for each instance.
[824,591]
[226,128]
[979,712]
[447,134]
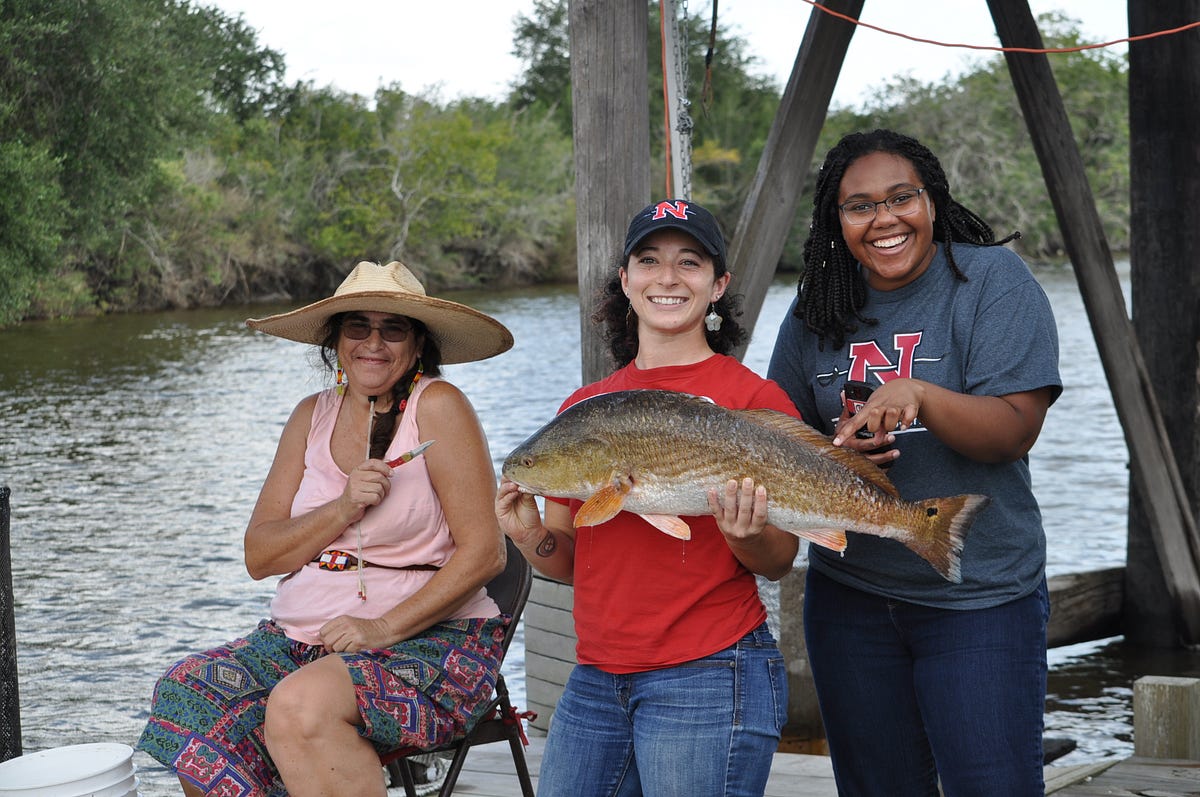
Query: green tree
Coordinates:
[541,43]
[107,88]
[34,215]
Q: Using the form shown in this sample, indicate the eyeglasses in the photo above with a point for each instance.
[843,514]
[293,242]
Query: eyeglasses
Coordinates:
[391,331]
[862,211]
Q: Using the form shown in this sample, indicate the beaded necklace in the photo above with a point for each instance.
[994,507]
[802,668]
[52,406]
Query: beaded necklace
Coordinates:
[397,411]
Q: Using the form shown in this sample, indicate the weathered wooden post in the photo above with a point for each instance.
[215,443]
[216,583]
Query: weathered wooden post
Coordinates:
[1156,476]
[804,731]
[1164,197]
[611,119]
[10,701]
[611,131]
[754,253]
[1166,717]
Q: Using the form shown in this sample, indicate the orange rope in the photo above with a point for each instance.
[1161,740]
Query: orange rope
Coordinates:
[1140,37]
[662,37]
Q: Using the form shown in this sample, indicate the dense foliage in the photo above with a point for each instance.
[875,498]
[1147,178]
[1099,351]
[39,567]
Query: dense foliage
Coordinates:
[153,157]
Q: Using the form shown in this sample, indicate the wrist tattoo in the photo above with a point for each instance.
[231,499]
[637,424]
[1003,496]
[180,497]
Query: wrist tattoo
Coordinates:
[547,546]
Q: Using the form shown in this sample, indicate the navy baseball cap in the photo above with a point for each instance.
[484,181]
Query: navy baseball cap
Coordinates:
[681,214]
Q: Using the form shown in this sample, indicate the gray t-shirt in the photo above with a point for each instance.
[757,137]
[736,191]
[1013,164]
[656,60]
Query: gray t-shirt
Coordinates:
[992,335]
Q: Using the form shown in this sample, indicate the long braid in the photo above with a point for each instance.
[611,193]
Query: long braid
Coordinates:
[832,289]
[384,427]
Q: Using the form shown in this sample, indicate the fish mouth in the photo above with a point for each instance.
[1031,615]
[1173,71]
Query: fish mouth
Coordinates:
[523,488]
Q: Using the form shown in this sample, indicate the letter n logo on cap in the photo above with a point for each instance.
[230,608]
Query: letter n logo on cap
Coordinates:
[678,209]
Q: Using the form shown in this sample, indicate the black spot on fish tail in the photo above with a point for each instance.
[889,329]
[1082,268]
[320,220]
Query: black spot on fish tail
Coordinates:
[941,543]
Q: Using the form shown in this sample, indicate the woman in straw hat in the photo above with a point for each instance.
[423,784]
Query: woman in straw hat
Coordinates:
[384,555]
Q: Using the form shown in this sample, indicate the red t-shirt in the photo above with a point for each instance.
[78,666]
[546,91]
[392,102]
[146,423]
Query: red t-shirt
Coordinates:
[644,600]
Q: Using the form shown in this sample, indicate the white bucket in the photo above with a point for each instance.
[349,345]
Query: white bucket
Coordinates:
[83,770]
[125,788]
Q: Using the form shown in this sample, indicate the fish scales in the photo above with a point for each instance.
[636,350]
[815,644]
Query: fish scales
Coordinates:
[668,465]
[656,453]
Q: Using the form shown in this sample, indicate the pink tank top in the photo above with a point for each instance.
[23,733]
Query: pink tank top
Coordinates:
[407,528]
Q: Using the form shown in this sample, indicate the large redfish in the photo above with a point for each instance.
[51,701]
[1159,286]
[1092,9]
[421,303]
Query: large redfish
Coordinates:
[656,453]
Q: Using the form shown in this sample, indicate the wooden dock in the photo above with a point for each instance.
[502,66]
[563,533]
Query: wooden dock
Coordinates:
[489,773]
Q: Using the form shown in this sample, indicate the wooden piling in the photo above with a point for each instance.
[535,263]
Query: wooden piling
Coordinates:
[549,646]
[1166,717]
[10,702]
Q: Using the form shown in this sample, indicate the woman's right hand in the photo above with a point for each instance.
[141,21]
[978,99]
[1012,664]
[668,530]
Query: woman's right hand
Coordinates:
[518,514]
[367,486]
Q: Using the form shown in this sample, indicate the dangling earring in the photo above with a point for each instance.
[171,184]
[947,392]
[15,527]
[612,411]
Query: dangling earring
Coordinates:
[412,386]
[341,378]
[713,320]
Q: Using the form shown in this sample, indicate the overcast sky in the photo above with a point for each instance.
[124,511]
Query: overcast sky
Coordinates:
[463,48]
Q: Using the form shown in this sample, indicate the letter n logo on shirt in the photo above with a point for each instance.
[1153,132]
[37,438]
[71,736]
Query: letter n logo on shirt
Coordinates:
[867,359]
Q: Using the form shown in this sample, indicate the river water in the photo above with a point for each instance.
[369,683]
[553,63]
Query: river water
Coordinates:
[135,447]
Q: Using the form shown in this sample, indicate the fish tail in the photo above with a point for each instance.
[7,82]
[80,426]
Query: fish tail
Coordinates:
[948,520]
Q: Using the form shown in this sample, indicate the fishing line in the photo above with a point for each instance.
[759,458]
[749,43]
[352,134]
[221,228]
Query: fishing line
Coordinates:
[362,586]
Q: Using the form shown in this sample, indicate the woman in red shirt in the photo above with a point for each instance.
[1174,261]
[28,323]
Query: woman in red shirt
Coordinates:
[680,687]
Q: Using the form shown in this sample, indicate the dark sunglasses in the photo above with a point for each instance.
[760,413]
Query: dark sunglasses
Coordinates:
[391,331]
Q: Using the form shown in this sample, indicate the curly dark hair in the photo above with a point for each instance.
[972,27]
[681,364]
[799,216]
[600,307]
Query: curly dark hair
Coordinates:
[832,289]
[619,325]
[383,429]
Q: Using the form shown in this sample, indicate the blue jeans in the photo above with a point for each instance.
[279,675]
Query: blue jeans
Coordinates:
[909,692]
[705,728]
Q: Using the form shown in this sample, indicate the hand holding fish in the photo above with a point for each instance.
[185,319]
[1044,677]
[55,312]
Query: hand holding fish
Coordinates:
[740,510]
[518,514]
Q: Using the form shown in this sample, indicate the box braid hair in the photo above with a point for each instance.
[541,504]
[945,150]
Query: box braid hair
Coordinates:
[832,290]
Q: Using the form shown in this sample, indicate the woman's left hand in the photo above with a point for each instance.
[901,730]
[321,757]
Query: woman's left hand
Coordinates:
[346,634]
[741,512]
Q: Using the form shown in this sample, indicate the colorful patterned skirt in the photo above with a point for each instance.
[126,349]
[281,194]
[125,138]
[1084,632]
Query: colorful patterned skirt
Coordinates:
[206,718]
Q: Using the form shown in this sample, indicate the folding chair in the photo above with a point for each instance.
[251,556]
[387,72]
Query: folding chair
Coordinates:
[500,721]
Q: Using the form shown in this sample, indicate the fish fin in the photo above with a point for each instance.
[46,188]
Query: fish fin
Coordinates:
[800,431]
[861,466]
[670,525]
[603,505]
[948,520]
[833,539]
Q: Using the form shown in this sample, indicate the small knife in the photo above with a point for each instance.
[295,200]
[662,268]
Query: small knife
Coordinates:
[408,456]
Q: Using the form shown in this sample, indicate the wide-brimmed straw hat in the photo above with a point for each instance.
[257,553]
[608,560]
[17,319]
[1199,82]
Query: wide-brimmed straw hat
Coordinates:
[463,334]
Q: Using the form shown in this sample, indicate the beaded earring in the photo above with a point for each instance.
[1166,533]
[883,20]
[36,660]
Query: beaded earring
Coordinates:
[713,320]
[341,378]
[412,386]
